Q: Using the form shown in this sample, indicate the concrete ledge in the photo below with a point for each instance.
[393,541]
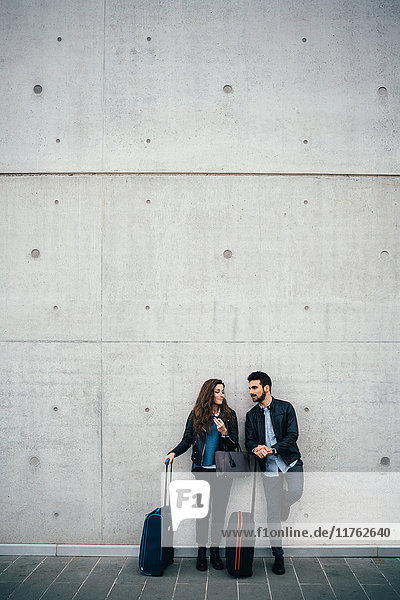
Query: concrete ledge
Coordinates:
[299,551]
[328,551]
[389,551]
[191,552]
[97,550]
[32,549]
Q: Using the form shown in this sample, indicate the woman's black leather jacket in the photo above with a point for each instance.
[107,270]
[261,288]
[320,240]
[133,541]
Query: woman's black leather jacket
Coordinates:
[229,442]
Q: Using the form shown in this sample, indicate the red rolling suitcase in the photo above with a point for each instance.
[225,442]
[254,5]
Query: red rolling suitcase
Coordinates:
[239,556]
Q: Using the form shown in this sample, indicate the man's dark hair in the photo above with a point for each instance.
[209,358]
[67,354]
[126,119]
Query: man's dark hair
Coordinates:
[263,377]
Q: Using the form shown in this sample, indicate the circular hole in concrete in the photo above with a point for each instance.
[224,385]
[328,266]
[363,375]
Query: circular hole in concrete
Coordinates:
[56,202]
[56,515]
[384,255]
[148,140]
[227,89]
[147,307]
[146,409]
[149,39]
[306,307]
[34,461]
[55,408]
[382,91]
[305,141]
[35,253]
[306,515]
[385,461]
[38,89]
[148,201]
[305,201]
[58,141]
[306,409]
[304,40]
[228,253]
[59,39]
[55,307]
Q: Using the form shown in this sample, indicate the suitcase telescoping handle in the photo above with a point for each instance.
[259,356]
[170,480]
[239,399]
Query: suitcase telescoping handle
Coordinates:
[168,463]
[253,495]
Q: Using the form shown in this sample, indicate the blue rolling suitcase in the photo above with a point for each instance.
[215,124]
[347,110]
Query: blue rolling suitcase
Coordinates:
[156,546]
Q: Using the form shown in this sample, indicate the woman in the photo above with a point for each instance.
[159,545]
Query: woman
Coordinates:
[211,425]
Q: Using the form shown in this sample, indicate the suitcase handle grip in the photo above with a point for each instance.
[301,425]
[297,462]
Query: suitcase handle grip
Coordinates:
[167,464]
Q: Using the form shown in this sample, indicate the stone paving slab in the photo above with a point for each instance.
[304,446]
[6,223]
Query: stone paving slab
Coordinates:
[61,591]
[342,580]
[195,591]
[380,592]
[366,571]
[317,591]
[256,591]
[37,583]
[119,578]
[101,579]
[77,569]
[390,569]
[309,570]
[21,568]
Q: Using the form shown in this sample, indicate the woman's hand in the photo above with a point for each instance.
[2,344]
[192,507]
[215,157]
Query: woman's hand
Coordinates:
[169,457]
[220,426]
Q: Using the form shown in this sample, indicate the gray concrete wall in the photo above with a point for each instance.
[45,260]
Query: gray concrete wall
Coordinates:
[108,333]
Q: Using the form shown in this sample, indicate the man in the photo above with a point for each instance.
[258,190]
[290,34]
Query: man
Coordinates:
[271,434]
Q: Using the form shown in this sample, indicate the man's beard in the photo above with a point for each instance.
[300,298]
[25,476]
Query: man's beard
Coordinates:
[261,398]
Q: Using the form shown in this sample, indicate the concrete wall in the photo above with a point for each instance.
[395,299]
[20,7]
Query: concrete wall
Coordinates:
[107,334]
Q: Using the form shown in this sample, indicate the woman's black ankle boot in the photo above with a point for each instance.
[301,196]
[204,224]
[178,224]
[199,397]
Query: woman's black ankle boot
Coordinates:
[215,559]
[201,562]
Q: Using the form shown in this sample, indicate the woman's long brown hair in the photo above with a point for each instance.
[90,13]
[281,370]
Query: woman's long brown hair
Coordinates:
[203,410]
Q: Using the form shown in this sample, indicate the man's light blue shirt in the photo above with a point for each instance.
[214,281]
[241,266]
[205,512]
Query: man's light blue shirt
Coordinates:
[273,462]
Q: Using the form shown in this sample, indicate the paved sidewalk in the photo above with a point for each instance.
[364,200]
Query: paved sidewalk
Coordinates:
[106,578]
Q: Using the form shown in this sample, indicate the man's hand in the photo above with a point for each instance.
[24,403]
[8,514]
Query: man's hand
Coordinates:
[220,426]
[262,451]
